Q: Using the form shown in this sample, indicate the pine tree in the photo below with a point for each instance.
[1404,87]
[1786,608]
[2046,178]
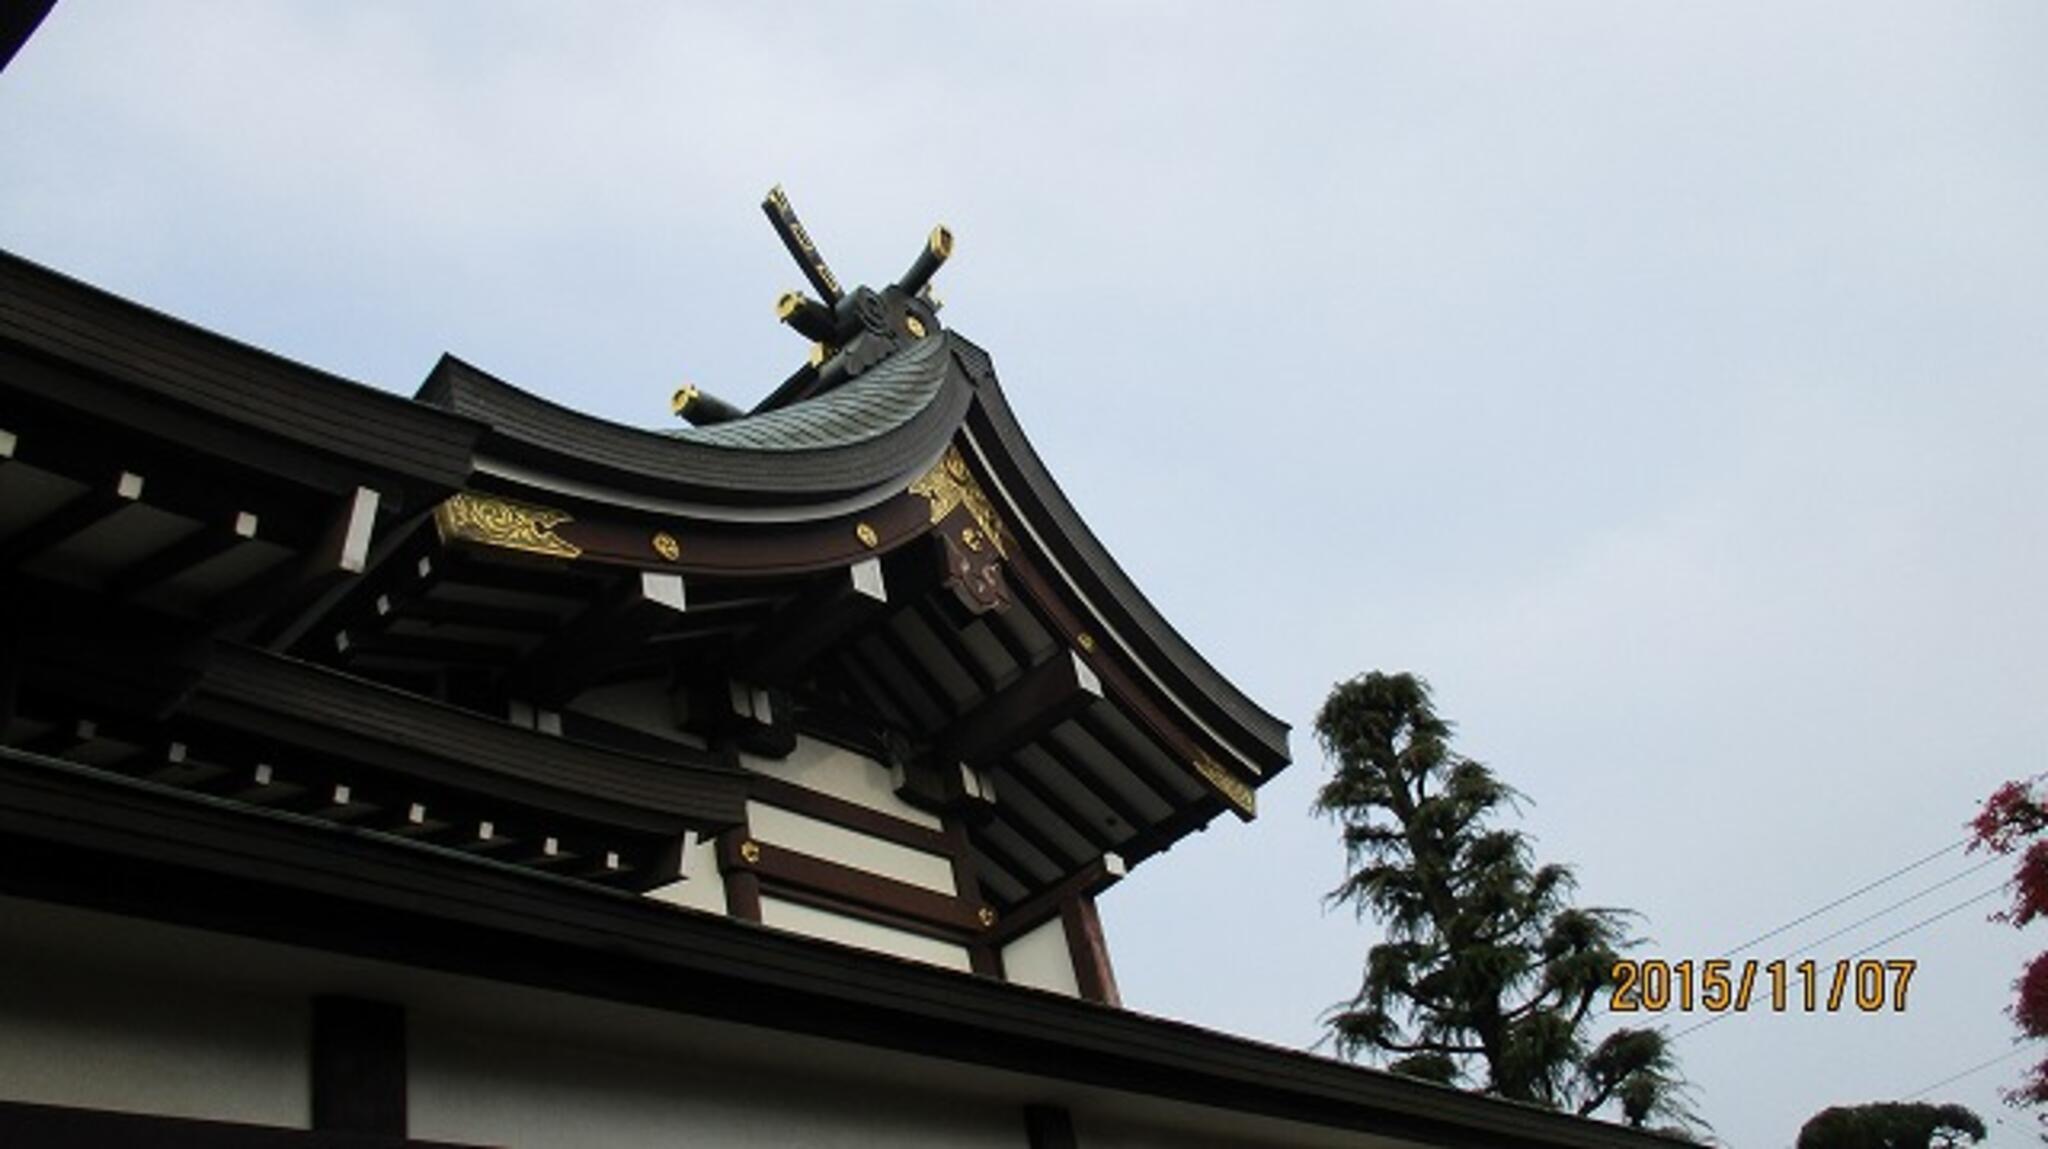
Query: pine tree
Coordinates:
[1488,975]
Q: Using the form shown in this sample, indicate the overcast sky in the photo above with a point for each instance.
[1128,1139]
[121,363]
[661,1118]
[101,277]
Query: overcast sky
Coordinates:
[1664,382]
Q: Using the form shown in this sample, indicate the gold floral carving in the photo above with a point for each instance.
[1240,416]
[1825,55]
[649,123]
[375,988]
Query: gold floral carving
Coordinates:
[496,522]
[950,484]
[1228,784]
[666,546]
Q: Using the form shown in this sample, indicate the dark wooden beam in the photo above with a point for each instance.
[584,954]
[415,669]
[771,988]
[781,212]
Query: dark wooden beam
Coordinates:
[84,511]
[451,612]
[1046,905]
[919,672]
[1150,779]
[1013,774]
[358,1066]
[955,916]
[423,649]
[581,651]
[1038,700]
[815,620]
[1088,951]
[1097,788]
[61,739]
[742,885]
[284,605]
[201,546]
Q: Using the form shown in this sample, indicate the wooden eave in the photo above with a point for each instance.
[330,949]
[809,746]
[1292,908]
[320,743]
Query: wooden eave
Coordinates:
[352,718]
[73,346]
[1109,592]
[78,837]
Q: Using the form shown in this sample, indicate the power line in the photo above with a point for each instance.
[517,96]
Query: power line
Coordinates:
[2008,1055]
[1902,902]
[1888,938]
[1927,921]
[1848,897]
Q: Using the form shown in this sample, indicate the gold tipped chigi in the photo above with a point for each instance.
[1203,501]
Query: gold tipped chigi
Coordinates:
[681,400]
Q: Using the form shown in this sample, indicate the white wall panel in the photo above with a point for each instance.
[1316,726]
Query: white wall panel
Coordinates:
[100,1030]
[702,888]
[804,834]
[1040,959]
[802,919]
[843,774]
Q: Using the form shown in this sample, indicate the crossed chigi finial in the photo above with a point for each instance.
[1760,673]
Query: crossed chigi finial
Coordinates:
[849,331]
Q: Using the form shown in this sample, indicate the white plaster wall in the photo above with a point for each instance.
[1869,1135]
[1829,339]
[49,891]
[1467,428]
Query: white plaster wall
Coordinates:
[802,919]
[103,1030]
[701,887]
[1040,959]
[521,1092]
[779,827]
[843,774]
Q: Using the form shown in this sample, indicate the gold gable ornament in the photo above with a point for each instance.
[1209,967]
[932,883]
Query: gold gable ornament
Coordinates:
[495,522]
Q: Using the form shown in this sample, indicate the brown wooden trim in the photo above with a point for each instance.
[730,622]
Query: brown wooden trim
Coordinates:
[727,549]
[849,815]
[1148,711]
[786,867]
[1046,904]
[1038,700]
[816,619]
[204,545]
[1089,951]
[26,1124]
[742,885]
[986,959]
[358,1066]
[84,511]
[840,907]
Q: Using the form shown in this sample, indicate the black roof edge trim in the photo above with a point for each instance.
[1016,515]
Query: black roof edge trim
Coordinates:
[70,322]
[1085,558]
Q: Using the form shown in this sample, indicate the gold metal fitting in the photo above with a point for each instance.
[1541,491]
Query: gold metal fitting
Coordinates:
[666,546]
[867,536]
[915,326]
[787,303]
[684,396]
[986,916]
[750,852]
[940,242]
[820,353]
[1086,641]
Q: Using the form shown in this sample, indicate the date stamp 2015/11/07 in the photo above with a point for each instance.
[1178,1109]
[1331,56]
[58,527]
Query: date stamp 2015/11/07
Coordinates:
[1719,985]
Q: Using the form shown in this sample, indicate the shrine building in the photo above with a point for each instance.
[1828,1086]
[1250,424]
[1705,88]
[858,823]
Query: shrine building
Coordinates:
[464,769]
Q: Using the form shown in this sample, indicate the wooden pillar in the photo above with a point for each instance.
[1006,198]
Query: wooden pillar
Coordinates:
[1049,1127]
[359,1067]
[982,955]
[742,884]
[1090,953]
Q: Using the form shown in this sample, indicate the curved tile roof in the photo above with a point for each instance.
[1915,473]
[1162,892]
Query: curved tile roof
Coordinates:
[888,396]
[889,422]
